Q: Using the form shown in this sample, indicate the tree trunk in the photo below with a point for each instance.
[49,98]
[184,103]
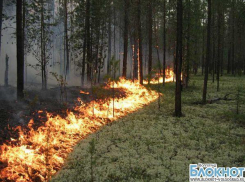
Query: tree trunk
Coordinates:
[109,43]
[164,42]
[89,62]
[233,39]
[208,56]
[66,39]
[188,46]
[219,44]
[43,47]
[84,58]
[222,41]
[126,22]
[140,63]
[135,56]
[150,41]
[203,49]
[1,21]
[20,50]
[6,79]
[178,112]
[229,61]
[24,39]
[214,48]
[157,47]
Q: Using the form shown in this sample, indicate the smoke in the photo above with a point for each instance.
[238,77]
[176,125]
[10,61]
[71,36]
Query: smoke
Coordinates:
[33,77]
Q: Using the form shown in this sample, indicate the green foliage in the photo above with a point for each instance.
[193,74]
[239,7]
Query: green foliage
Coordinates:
[61,83]
[38,32]
[114,67]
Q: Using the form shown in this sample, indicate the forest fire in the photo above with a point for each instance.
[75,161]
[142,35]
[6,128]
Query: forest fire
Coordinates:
[83,92]
[38,154]
[159,79]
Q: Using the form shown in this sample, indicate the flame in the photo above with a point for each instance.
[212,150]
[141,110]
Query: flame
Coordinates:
[83,92]
[170,77]
[39,154]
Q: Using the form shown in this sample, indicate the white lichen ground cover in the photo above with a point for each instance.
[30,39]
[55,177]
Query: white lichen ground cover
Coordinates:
[152,145]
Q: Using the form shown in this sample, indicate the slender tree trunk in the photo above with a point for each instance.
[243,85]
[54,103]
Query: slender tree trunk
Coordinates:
[135,55]
[150,40]
[66,39]
[85,42]
[203,49]
[24,27]
[43,48]
[20,50]
[140,63]
[178,112]
[84,58]
[88,41]
[109,43]
[114,17]
[1,21]
[233,39]
[188,46]
[97,53]
[101,53]
[222,41]
[164,42]
[6,79]
[214,48]
[208,57]
[229,60]
[126,22]
[157,47]
[219,44]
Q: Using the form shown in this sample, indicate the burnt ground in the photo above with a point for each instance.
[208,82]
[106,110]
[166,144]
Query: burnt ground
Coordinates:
[13,113]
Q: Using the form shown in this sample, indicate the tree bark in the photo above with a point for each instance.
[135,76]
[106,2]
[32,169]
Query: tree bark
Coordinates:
[233,39]
[126,22]
[140,62]
[84,58]
[88,41]
[203,49]
[214,47]
[109,43]
[1,21]
[208,56]
[219,44]
[6,79]
[188,46]
[66,39]
[43,49]
[164,42]
[150,40]
[20,50]
[178,112]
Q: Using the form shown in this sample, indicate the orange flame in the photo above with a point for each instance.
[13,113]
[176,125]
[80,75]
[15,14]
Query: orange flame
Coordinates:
[170,77]
[82,92]
[40,153]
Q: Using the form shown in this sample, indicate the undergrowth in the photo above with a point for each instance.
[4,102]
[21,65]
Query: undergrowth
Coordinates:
[152,145]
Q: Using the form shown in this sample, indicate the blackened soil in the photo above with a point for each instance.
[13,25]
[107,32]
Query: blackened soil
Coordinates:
[38,102]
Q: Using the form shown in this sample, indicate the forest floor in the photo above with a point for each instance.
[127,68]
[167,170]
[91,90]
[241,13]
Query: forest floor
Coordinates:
[152,145]
[13,113]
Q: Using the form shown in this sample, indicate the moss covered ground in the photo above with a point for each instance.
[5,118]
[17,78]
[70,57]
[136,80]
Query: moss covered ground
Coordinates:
[152,145]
